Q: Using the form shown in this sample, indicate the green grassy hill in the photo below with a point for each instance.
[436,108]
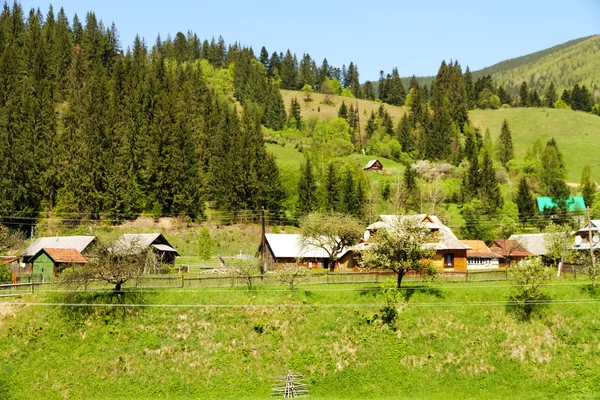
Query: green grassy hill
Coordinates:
[451,341]
[577,133]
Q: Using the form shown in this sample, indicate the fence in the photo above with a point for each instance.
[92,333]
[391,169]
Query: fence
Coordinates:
[311,278]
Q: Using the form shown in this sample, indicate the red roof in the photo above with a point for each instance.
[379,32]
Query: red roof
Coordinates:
[9,259]
[510,248]
[71,256]
[479,249]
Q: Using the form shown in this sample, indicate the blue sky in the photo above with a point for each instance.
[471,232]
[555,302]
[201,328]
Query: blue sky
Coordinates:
[414,36]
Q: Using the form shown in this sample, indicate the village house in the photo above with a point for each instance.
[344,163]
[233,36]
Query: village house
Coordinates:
[534,243]
[450,253]
[139,242]
[582,236]
[282,249]
[50,261]
[42,256]
[510,251]
[373,166]
[480,256]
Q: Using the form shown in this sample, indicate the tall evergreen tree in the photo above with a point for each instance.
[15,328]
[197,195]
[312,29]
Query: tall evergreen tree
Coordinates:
[332,187]
[504,148]
[294,114]
[524,95]
[274,116]
[587,185]
[307,188]
[525,202]
[551,96]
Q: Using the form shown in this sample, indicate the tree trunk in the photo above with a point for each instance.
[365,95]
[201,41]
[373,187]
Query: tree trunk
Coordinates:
[400,276]
[331,265]
[118,287]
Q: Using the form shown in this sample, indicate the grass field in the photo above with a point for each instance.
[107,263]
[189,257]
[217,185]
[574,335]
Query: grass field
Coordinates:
[450,341]
[577,133]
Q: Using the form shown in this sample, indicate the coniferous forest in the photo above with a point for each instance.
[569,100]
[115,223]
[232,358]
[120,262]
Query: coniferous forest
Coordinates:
[92,130]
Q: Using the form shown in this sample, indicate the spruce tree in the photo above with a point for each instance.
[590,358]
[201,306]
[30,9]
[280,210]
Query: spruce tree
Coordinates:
[274,116]
[525,202]
[551,96]
[343,111]
[489,190]
[294,115]
[587,185]
[332,187]
[504,148]
[307,188]
[524,95]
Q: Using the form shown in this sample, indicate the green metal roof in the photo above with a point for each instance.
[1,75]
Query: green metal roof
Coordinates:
[574,203]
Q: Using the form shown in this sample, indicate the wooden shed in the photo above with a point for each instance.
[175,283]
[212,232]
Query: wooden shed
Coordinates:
[373,166]
[156,241]
[286,249]
[49,261]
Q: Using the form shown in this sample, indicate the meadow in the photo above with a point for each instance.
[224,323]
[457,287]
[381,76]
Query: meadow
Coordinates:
[451,340]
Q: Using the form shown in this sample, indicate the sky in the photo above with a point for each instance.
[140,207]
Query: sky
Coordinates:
[414,36]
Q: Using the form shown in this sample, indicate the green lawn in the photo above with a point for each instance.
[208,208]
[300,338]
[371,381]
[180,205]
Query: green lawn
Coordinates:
[577,133]
[450,341]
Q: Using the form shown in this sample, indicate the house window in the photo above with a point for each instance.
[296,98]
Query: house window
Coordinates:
[448,260]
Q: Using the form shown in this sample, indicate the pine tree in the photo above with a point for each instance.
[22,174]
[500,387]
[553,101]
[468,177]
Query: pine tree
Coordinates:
[405,136]
[289,72]
[343,111]
[489,190]
[587,185]
[551,96]
[504,148]
[307,189]
[525,202]
[524,95]
[274,116]
[294,114]
[332,187]
[369,91]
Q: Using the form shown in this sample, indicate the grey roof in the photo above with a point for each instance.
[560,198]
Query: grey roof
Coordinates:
[533,242]
[289,246]
[595,227]
[164,247]
[142,241]
[79,243]
[448,240]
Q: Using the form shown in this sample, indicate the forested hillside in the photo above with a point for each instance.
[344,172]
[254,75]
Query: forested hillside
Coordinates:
[89,130]
[574,62]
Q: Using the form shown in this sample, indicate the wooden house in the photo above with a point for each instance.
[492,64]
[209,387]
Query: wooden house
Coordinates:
[510,251]
[80,244]
[14,262]
[373,166]
[286,249]
[582,236]
[49,261]
[450,253]
[138,242]
[480,256]
[534,243]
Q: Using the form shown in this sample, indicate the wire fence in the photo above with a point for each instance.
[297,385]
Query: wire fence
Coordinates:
[230,279]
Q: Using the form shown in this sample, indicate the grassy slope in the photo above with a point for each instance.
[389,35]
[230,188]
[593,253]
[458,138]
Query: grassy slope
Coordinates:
[318,108]
[577,133]
[437,352]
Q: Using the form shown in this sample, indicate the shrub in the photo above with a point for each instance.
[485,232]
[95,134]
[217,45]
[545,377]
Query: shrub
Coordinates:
[528,297]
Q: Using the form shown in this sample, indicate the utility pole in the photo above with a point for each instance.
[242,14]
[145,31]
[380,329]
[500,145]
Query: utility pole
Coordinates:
[590,238]
[264,259]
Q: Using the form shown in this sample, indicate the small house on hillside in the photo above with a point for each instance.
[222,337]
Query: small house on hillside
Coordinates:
[373,166]
[534,243]
[582,236]
[285,249]
[510,250]
[80,244]
[49,261]
[450,253]
[138,242]
[480,256]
